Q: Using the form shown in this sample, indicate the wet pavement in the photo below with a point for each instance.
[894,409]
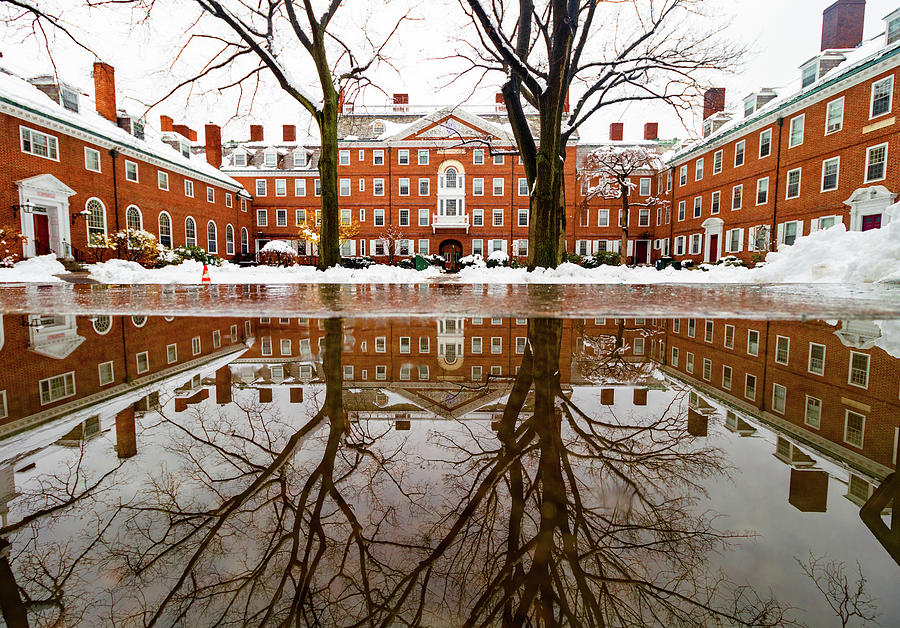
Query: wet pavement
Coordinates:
[230,469]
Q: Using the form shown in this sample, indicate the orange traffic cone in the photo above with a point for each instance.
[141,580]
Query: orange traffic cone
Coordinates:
[205,277]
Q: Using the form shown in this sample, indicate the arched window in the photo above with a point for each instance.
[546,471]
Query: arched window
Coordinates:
[96,221]
[133,219]
[245,241]
[190,232]
[211,243]
[450,177]
[378,127]
[165,230]
[229,240]
[102,324]
[138,321]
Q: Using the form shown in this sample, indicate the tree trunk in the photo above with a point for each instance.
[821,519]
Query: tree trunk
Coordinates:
[623,253]
[329,236]
[546,232]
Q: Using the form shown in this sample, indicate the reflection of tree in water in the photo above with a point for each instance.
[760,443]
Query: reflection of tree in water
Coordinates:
[573,520]
[606,354]
[562,517]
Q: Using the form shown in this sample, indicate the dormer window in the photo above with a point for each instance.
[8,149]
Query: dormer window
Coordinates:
[378,127]
[239,160]
[137,128]
[809,73]
[707,128]
[69,99]
[270,159]
[893,27]
[755,101]
[300,158]
[750,105]
[185,150]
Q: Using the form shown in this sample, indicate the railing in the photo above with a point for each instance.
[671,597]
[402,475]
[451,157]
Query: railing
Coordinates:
[440,220]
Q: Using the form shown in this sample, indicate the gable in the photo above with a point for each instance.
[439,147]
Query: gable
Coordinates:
[453,125]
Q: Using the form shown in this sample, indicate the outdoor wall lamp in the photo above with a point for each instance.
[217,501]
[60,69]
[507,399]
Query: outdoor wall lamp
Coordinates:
[84,213]
[25,208]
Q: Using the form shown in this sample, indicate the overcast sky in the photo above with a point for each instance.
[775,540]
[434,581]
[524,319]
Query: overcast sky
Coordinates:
[780,34]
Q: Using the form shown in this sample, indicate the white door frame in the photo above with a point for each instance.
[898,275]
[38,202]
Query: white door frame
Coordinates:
[711,227]
[50,193]
[869,201]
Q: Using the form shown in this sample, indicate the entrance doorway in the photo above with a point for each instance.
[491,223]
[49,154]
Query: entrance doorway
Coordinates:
[714,248]
[41,233]
[872,221]
[640,252]
[451,251]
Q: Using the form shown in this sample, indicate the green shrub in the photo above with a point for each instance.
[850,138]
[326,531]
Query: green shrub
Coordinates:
[195,253]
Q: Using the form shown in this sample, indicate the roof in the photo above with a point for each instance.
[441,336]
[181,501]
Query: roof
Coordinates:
[869,53]
[20,98]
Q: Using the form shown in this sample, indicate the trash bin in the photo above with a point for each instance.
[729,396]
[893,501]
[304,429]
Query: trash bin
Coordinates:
[664,261]
[421,264]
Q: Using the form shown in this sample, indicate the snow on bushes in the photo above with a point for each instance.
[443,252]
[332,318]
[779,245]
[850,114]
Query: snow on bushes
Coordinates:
[277,253]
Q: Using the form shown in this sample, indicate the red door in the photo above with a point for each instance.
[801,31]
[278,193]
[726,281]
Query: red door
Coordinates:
[871,222]
[640,252]
[713,248]
[41,234]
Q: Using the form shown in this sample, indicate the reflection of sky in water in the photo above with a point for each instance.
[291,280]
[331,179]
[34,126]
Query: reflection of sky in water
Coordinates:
[755,500]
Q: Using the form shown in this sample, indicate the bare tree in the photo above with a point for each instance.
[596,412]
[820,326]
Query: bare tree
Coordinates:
[290,39]
[850,601]
[607,173]
[615,52]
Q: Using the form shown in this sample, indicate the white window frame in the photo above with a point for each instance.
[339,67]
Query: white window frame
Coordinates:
[787,181]
[758,185]
[787,358]
[890,91]
[868,156]
[698,169]
[775,406]
[137,362]
[137,178]
[862,430]
[94,152]
[401,184]
[768,134]
[345,187]
[261,187]
[500,181]
[828,110]
[718,160]
[740,148]
[798,120]
[427,182]
[378,157]
[809,367]
[806,420]
[850,381]
[343,157]
[51,142]
[837,176]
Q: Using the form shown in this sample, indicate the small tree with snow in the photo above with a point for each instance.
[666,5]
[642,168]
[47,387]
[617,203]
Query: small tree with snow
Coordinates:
[392,239]
[607,172]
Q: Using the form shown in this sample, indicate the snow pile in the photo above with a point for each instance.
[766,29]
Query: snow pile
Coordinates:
[498,256]
[122,272]
[34,270]
[836,255]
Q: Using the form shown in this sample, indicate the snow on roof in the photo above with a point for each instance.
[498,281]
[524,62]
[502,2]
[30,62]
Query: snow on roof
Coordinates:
[869,51]
[18,93]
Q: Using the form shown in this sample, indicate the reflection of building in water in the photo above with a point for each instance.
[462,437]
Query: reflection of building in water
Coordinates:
[827,390]
[77,376]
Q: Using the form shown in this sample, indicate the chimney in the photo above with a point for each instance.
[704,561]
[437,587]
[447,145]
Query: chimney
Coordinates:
[184,131]
[651,131]
[499,103]
[713,101]
[212,133]
[842,24]
[165,124]
[256,133]
[401,102]
[616,131]
[289,132]
[105,90]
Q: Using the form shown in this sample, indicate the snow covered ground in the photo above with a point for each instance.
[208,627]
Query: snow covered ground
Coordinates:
[830,256]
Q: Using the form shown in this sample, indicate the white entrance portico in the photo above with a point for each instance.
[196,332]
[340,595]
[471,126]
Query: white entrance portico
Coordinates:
[867,207]
[712,245]
[44,215]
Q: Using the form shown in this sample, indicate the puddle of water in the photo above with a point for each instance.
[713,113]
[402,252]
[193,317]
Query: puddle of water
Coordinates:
[437,470]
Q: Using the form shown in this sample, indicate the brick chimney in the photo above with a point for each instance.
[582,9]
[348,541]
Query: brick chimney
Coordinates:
[185,131]
[842,24]
[289,132]
[499,103]
[401,102]
[105,90]
[713,101]
[651,131]
[256,133]
[165,124]
[616,131]
[212,134]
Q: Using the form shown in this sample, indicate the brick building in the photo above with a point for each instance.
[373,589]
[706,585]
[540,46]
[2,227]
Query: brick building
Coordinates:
[792,162]
[448,181]
[76,168]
